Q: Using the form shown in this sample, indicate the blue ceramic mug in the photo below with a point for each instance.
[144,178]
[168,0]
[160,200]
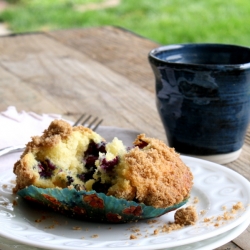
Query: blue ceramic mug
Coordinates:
[203,98]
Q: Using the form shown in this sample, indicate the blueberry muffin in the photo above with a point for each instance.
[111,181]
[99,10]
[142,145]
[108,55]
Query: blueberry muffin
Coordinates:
[78,158]
[152,173]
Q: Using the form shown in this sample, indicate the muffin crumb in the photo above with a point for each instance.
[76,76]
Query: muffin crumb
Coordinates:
[196,200]
[202,212]
[14,203]
[228,214]
[238,206]
[206,220]
[167,228]
[151,221]
[156,231]
[133,237]
[186,216]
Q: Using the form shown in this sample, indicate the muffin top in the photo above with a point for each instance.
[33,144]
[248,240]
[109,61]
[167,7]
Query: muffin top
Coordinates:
[152,173]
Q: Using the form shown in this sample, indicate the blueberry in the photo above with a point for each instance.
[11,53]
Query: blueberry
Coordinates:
[101,187]
[86,176]
[90,161]
[50,164]
[89,175]
[70,179]
[142,144]
[46,168]
[102,147]
[94,149]
[81,176]
[109,165]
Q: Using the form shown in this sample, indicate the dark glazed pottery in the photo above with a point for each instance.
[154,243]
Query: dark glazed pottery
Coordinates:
[203,96]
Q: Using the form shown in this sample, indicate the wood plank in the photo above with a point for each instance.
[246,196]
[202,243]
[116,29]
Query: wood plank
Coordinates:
[241,165]
[120,50]
[229,246]
[66,76]
[247,138]
[243,241]
[15,92]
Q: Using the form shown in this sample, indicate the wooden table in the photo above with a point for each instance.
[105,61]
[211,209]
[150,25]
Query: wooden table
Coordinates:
[103,71]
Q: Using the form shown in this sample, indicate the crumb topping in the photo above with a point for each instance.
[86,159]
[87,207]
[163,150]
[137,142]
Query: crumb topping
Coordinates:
[78,158]
[186,216]
[154,175]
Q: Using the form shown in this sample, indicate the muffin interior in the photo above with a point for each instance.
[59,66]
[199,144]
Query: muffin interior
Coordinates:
[77,157]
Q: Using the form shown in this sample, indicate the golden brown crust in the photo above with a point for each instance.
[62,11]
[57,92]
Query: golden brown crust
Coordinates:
[57,131]
[157,174]
[151,172]
[186,216]
[24,176]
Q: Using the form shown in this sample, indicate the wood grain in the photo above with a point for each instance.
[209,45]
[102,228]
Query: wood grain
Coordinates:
[121,51]
[13,91]
[243,241]
[229,246]
[73,82]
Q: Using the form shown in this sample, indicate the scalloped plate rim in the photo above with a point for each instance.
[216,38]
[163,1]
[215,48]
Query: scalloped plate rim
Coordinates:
[213,167]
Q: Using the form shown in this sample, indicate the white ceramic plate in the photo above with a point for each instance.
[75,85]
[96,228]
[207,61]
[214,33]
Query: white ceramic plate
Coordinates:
[215,187]
[208,244]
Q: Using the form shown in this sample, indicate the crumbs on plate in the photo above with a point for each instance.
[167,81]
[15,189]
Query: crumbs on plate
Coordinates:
[133,237]
[196,200]
[188,217]
[183,217]
[226,216]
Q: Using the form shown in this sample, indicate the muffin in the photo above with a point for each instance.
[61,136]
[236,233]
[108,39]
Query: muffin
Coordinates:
[151,173]
[79,159]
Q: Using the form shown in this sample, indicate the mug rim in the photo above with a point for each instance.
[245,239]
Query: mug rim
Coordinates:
[162,48]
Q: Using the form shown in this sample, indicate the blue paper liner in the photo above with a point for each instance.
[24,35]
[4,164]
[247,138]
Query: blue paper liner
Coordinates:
[93,206]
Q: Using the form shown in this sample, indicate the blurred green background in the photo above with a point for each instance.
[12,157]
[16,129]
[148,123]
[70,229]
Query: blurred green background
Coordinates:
[164,21]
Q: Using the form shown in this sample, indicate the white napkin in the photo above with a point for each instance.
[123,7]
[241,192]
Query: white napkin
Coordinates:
[17,128]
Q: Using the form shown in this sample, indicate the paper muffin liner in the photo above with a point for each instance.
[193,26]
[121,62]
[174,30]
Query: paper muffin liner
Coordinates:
[93,206]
